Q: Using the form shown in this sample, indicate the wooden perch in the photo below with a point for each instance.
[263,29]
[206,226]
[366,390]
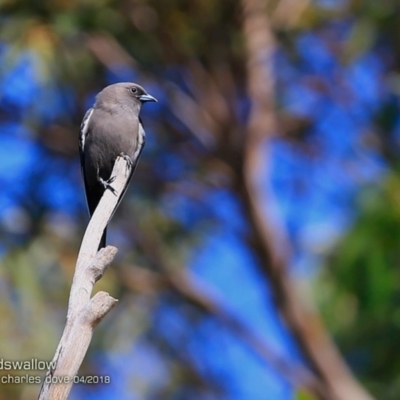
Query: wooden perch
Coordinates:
[85,312]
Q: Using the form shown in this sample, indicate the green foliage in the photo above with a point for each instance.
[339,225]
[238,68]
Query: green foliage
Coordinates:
[302,395]
[29,305]
[360,289]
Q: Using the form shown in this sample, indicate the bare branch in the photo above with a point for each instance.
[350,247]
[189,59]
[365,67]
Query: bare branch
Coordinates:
[108,51]
[174,278]
[305,323]
[288,13]
[197,120]
[260,77]
[84,312]
[291,371]
[202,297]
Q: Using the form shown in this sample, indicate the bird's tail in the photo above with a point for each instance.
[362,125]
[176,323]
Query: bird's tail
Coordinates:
[103,239]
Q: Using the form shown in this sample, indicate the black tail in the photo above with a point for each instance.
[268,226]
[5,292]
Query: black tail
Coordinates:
[93,196]
[103,240]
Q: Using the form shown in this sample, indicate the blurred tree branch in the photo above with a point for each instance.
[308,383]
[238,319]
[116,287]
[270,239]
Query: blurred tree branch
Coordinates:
[200,295]
[305,324]
[145,281]
[288,12]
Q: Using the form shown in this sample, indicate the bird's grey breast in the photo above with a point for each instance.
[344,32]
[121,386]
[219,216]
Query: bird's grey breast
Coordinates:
[109,135]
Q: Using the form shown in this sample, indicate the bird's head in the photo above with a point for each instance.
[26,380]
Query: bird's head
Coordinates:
[124,93]
[139,93]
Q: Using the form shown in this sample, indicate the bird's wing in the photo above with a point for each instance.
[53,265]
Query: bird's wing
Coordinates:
[82,138]
[83,132]
[135,160]
[140,145]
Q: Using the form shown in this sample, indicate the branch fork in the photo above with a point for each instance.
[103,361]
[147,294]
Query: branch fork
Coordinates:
[85,312]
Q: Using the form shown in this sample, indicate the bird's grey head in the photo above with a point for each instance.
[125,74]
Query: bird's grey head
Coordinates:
[125,95]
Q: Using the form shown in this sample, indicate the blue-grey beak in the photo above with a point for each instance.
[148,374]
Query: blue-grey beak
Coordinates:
[146,97]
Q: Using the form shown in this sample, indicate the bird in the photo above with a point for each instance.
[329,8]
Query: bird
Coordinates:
[111,128]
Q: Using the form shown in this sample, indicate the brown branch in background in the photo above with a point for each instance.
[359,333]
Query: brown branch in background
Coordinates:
[189,113]
[305,323]
[288,13]
[292,372]
[108,51]
[146,281]
[206,91]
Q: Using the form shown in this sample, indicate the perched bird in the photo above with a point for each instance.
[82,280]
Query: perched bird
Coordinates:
[111,128]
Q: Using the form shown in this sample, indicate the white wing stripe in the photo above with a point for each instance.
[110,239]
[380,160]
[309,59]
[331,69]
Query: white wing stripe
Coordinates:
[84,128]
[141,140]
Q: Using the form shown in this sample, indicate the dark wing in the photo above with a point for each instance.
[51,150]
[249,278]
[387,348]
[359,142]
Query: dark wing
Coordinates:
[82,138]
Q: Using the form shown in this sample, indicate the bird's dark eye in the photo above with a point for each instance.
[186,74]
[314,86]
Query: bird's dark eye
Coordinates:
[133,90]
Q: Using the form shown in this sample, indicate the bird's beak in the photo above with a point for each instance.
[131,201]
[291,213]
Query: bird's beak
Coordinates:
[146,97]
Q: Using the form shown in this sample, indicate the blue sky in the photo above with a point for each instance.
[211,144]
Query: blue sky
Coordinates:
[314,200]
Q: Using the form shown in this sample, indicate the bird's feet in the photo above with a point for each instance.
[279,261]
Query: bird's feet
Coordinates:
[128,160]
[107,184]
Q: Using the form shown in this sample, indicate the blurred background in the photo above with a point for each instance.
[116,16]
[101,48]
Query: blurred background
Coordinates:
[259,241]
